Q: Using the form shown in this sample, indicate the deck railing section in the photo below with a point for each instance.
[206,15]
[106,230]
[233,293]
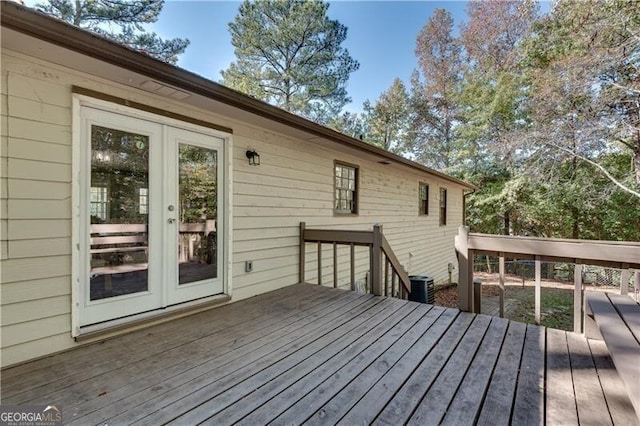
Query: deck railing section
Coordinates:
[613,254]
[387,276]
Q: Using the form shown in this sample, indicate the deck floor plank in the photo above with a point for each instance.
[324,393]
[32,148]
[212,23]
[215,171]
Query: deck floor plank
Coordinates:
[71,363]
[592,407]
[618,403]
[434,404]
[305,380]
[400,408]
[498,402]
[274,364]
[91,370]
[528,407]
[216,352]
[216,374]
[313,406]
[465,407]
[366,409]
[279,374]
[342,401]
[560,396]
[318,355]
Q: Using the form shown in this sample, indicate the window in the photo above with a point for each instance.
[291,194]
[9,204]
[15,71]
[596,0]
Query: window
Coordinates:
[143,200]
[98,207]
[424,199]
[443,206]
[346,189]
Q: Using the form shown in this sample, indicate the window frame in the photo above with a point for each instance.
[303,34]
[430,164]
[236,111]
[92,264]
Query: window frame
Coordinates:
[442,202]
[356,190]
[423,204]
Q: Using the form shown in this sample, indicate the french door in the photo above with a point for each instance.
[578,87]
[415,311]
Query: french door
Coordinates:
[149,215]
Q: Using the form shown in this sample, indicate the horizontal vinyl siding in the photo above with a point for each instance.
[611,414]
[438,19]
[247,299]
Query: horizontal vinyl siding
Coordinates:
[36,235]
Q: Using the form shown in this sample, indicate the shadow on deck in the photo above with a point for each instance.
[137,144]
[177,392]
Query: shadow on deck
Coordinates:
[323,356]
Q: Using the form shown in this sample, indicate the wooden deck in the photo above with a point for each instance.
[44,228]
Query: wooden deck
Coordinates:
[323,356]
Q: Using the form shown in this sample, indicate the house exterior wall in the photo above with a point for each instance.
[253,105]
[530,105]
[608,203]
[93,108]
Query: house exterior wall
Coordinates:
[294,183]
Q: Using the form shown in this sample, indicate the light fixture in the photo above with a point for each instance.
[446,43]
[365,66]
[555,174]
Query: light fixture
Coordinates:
[254,157]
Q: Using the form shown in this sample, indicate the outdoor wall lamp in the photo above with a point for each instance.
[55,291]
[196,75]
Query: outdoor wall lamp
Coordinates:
[254,157]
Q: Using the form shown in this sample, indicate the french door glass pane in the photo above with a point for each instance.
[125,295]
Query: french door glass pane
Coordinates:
[118,212]
[197,237]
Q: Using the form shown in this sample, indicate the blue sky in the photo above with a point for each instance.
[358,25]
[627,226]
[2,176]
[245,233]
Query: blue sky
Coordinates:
[381,36]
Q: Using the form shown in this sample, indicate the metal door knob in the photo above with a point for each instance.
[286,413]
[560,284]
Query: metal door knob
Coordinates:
[172,220]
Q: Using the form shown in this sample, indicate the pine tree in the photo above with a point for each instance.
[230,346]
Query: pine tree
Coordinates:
[120,20]
[290,54]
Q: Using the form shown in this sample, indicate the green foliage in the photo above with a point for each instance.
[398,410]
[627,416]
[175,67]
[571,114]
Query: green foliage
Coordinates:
[197,183]
[289,53]
[128,18]
[387,119]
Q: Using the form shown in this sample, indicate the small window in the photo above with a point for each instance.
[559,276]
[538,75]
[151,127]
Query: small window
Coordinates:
[98,202]
[143,200]
[346,189]
[424,199]
[443,206]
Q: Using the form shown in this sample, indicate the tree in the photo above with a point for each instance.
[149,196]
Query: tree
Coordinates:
[584,60]
[434,111]
[129,17]
[289,53]
[387,119]
[491,99]
[350,123]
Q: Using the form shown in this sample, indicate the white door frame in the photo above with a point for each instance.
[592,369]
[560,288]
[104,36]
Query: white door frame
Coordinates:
[79,202]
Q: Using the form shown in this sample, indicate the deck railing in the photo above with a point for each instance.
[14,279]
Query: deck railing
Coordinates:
[613,254]
[387,276]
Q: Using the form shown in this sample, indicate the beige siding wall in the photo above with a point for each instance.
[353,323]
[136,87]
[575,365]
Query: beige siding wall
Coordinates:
[294,183]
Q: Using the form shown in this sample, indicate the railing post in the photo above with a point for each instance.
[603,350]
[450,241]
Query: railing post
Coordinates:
[577,298]
[465,270]
[303,247]
[376,261]
[624,279]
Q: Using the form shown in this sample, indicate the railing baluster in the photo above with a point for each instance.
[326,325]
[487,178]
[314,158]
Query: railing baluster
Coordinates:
[537,291]
[393,284]
[335,265]
[319,263]
[501,283]
[386,277]
[577,298]
[353,266]
[303,248]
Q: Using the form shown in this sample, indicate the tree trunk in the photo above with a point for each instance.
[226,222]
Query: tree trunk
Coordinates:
[507,223]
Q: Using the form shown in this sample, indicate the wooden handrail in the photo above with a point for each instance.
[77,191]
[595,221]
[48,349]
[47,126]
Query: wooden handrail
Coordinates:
[378,246]
[616,254]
